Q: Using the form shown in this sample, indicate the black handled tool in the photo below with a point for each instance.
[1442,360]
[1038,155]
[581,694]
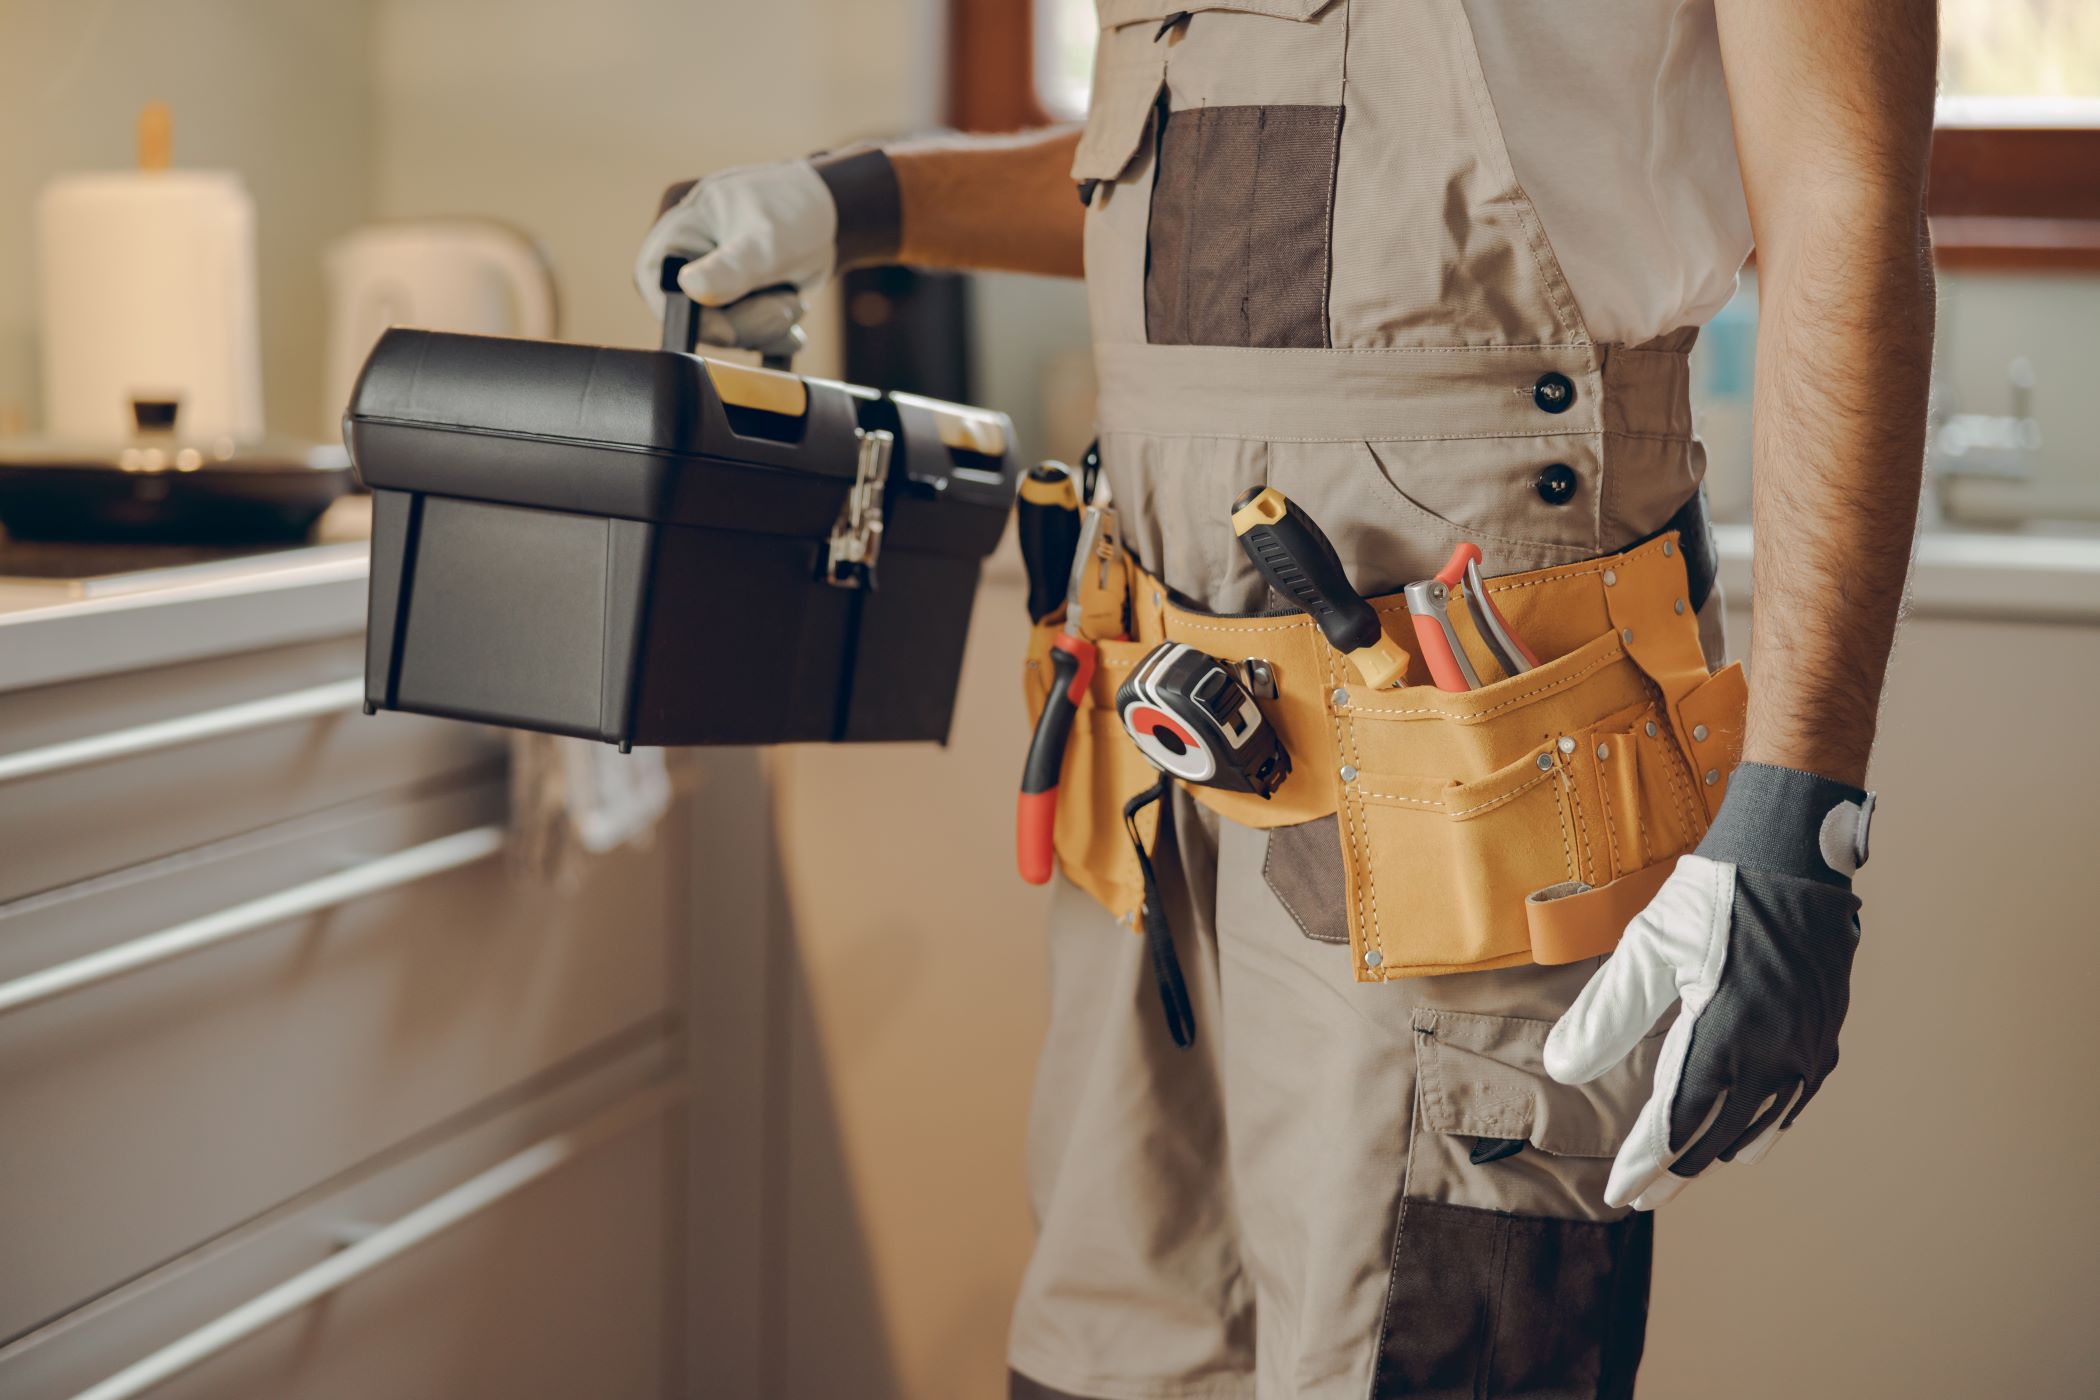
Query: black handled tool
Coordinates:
[1047,519]
[1299,562]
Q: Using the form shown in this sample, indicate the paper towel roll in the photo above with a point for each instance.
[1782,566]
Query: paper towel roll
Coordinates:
[148,291]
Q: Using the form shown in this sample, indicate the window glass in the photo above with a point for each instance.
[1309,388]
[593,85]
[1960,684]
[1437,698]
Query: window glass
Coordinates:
[1064,55]
[2002,62]
[2019,62]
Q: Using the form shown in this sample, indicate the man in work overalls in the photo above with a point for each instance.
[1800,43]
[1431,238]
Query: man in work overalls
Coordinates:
[1432,269]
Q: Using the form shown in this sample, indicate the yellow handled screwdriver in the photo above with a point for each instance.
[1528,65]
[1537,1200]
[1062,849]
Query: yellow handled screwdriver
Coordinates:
[1299,561]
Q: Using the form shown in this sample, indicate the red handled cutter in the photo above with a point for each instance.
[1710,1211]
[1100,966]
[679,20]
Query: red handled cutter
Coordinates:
[1428,606]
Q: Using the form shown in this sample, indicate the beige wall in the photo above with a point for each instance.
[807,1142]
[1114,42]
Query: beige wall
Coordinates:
[568,119]
[276,89]
[1929,1230]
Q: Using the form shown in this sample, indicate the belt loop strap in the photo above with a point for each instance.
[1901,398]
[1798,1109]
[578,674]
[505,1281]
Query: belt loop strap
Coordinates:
[1159,939]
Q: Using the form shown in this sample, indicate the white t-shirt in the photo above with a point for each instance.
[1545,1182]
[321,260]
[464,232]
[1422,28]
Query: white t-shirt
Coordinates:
[1618,125]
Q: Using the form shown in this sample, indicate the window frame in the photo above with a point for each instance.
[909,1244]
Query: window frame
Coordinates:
[2001,198]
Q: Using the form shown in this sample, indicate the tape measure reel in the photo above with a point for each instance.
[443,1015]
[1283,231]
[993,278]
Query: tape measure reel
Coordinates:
[1191,718]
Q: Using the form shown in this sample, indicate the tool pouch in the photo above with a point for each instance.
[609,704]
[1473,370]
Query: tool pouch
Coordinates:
[1525,821]
[1103,770]
[1530,819]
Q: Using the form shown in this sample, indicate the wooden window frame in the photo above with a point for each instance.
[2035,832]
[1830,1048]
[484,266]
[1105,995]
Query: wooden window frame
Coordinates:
[2002,199]
[991,66]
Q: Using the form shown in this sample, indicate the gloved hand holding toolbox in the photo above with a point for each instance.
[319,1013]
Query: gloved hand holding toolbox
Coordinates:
[649,547]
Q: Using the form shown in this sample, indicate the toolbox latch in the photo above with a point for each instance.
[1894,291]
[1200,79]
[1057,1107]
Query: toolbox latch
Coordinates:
[856,537]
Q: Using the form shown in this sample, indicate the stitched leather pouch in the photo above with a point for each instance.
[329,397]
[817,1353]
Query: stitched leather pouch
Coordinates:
[1102,770]
[1523,821]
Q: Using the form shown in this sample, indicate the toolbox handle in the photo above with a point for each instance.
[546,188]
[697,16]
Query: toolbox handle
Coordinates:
[681,312]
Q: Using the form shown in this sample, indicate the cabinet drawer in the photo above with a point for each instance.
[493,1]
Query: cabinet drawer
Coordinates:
[521,1255]
[103,774]
[158,1108]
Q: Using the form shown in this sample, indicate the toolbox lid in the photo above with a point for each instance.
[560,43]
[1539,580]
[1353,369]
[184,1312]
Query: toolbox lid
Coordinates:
[665,436]
[650,403]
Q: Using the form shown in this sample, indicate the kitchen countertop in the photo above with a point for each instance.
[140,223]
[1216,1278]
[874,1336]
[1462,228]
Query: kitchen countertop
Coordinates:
[1957,573]
[189,612]
[318,590]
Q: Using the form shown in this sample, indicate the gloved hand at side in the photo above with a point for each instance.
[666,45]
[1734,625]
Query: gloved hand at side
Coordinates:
[1754,934]
[759,238]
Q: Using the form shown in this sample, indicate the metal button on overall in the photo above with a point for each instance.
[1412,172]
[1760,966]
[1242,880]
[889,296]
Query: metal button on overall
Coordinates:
[1556,484]
[1554,392]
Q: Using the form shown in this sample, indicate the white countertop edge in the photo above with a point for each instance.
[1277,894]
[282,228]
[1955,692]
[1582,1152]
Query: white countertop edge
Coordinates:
[275,604]
[2033,578]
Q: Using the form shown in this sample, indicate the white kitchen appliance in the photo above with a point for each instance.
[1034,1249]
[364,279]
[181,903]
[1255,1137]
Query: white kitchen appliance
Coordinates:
[147,285]
[470,275]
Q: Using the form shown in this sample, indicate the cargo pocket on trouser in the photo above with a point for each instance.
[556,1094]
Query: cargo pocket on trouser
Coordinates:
[1510,1277]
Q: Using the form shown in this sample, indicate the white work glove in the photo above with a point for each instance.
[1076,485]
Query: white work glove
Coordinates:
[1753,934]
[760,238]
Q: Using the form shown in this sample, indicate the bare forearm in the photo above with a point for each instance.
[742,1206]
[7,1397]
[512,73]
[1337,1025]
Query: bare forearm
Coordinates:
[1833,126]
[1844,360]
[1003,204]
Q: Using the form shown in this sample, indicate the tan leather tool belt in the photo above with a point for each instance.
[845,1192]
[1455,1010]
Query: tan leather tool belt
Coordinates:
[1525,821]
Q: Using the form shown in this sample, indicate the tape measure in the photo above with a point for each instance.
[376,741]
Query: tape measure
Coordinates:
[1191,718]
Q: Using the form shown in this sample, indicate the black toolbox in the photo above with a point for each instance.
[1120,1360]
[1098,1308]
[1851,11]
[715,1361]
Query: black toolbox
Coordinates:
[648,547]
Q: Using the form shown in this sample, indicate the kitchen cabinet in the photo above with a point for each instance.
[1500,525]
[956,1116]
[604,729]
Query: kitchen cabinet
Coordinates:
[306,1088]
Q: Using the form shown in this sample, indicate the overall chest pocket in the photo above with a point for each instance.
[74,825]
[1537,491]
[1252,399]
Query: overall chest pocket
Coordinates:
[1241,102]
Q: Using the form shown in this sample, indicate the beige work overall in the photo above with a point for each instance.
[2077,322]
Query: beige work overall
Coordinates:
[1310,266]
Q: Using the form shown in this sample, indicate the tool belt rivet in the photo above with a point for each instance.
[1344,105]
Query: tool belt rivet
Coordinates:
[1348,774]
[1611,577]
[1679,605]
[1713,775]
[1567,745]
[1651,729]
[1604,750]
[1341,697]
[1699,732]
[1373,958]
[1545,762]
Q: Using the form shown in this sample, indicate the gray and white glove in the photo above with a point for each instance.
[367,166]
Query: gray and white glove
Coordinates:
[1754,934]
[760,238]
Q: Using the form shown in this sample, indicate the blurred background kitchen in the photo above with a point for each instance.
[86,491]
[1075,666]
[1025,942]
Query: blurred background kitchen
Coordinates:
[277,989]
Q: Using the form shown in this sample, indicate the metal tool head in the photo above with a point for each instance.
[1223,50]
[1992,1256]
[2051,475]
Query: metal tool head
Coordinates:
[1509,653]
[1092,527]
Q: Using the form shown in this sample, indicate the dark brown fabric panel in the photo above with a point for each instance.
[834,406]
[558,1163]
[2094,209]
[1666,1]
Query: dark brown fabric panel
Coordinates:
[1019,1387]
[1487,1306]
[1237,250]
[1219,265]
[1168,229]
[1291,217]
[1303,865]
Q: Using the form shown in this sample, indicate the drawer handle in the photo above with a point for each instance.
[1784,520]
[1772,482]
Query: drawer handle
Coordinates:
[425,1222]
[333,698]
[387,872]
